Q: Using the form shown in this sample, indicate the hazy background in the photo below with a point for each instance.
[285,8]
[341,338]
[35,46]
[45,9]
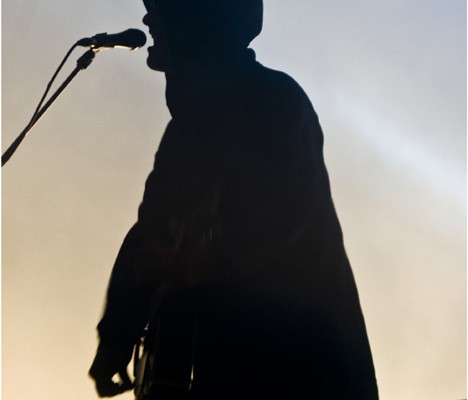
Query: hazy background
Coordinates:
[388,80]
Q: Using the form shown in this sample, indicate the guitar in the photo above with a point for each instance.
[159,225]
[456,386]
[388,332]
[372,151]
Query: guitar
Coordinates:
[164,360]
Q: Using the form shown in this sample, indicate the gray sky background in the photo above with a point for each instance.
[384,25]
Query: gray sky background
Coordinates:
[388,81]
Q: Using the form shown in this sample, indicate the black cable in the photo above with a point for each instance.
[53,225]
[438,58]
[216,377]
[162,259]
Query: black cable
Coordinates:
[49,85]
[9,152]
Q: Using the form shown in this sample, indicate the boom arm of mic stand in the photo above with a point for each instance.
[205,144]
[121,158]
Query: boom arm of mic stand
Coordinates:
[82,63]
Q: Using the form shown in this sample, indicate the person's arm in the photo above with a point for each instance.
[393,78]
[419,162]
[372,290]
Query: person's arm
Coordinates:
[123,321]
[145,248]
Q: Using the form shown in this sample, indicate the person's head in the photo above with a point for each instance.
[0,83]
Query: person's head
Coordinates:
[196,31]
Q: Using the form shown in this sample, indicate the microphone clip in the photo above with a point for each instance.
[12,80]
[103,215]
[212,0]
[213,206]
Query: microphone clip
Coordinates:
[86,59]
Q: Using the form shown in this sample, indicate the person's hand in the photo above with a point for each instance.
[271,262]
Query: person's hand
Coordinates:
[111,360]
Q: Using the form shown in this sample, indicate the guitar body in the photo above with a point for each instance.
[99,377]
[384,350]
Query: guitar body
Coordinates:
[212,342]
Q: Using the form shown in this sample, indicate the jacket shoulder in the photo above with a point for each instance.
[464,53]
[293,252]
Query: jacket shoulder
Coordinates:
[281,90]
[282,120]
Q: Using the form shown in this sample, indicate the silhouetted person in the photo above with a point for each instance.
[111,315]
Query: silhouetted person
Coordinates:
[237,221]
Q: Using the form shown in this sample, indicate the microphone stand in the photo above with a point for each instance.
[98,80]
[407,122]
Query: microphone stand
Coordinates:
[82,63]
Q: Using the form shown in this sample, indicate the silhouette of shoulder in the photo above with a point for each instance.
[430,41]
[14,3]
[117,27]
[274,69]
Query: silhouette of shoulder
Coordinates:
[283,90]
[285,120]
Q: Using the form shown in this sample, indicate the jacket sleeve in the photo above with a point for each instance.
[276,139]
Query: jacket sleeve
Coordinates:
[127,304]
[128,301]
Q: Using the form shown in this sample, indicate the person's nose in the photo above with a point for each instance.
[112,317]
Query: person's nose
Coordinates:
[146,19]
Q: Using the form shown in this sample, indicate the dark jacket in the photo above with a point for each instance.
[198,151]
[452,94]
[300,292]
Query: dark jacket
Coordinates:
[241,162]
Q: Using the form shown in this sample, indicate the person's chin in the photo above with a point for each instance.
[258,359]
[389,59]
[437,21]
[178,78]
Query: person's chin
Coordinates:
[156,59]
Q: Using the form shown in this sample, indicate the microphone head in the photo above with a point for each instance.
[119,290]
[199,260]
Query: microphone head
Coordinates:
[131,38]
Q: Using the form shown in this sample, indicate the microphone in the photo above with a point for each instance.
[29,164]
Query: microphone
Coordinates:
[130,39]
